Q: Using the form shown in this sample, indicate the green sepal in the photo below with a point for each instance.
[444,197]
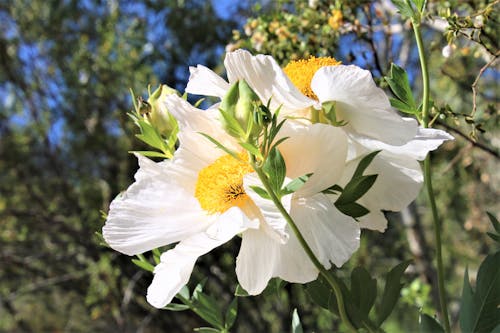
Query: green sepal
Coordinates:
[296,325]
[295,184]
[275,169]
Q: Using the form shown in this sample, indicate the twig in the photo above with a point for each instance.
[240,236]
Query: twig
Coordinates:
[466,137]
[476,81]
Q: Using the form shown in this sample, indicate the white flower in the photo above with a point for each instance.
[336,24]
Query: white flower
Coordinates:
[202,198]
[371,123]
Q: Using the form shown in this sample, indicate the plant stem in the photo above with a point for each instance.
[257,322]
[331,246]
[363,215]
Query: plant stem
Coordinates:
[324,273]
[428,179]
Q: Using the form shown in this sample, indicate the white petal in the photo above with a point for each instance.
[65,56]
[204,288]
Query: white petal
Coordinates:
[319,149]
[332,236]
[176,265]
[273,221]
[267,79]
[374,220]
[362,104]
[154,211]
[204,81]
[261,258]
[426,140]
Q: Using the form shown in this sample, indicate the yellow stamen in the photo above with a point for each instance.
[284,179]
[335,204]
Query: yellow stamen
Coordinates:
[301,72]
[220,185]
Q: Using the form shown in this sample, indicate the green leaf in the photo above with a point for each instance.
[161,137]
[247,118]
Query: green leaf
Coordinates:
[494,221]
[420,5]
[183,293]
[261,192]
[400,86]
[251,148]
[240,292]
[493,236]
[404,8]
[352,209]
[355,189]
[392,291]
[275,168]
[403,107]
[296,325]
[295,184]
[209,309]
[364,163]
[427,324]
[220,146]
[231,313]
[320,293]
[231,125]
[480,310]
[363,290]
[176,307]
[144,265]
[149,153]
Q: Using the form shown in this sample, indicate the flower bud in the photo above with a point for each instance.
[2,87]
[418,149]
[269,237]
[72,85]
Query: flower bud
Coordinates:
[238,108]
[159,117]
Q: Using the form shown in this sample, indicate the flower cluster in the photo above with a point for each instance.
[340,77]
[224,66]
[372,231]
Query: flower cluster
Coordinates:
[330,117]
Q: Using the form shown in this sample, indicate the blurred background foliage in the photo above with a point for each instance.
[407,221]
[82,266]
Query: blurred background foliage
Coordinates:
[65,70]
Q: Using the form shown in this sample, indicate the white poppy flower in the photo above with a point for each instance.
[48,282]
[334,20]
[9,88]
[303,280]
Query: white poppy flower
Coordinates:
[371,123]
[203,197]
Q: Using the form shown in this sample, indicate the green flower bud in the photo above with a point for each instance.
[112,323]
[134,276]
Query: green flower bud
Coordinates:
[158,116]
[238,108]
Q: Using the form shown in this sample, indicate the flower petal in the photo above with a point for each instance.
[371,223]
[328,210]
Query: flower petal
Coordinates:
[155,211]
[176,265]
[332,236]
[203,81]
[266,78]
[426,140]
[318,149]
[362,104]
[261,258]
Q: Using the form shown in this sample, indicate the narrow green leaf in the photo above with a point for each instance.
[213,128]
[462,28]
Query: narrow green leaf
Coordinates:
[231,313]
[363,290]
[144,265]
[404,8]
[296,184]
[296,325]
[355,189]
[207,330]
[400,86]
[467,305]
[176,307]
[251,148]
[487,295]
[275,168]
[427,324]
[420,4]
[240,292]
[493,236]
[352,209]
[403,107]
[183,293]
[494,221]
[364,163]
[220,146]
[392,291]
[208,309]
[149,153]
[261,192]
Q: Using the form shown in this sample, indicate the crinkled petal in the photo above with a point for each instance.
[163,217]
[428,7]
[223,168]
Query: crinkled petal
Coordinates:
[155,211]
[203,81]
[362,104]
[176,265]
[426,140]
[273,221]
[318,149]
[261,258]
[332,236]
[267,79]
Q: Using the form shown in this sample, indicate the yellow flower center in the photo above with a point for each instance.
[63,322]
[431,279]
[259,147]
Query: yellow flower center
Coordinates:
[301,72]
[220,185]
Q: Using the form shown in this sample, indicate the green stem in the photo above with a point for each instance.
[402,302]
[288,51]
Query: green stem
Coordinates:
[324,273]
[428,179]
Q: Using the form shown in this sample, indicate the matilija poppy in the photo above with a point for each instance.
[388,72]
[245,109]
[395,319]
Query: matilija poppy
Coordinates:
[203,197]
[302,88]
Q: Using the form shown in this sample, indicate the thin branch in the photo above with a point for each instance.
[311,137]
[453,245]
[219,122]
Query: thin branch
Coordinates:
[476,82]
[466,137]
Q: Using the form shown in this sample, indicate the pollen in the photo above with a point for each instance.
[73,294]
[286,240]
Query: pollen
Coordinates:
[220,185]
[301,72]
